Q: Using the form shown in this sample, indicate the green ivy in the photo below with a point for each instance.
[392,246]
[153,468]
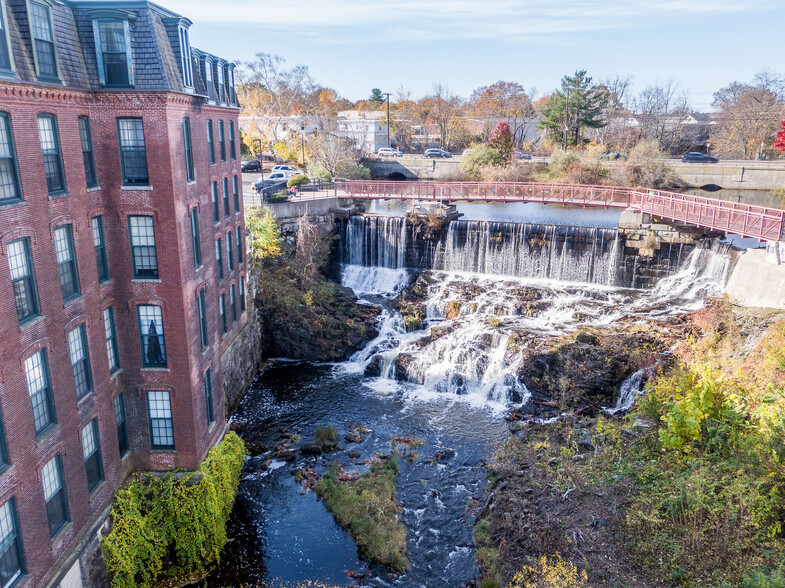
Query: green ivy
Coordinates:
[167,527]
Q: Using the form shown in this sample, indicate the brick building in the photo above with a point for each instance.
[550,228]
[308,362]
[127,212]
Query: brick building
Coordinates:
[122,264]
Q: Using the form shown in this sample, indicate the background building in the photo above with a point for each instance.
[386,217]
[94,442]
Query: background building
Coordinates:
[122,264]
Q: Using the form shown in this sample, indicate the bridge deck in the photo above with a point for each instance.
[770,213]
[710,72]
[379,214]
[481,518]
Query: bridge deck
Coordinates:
[746,220]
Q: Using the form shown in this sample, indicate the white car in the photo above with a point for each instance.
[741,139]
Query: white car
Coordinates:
[389,152]
[281,175]
[286,168]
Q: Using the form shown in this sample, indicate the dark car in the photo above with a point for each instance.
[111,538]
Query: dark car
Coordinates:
[437,153]
[251,166]
[522,155]
[698,157]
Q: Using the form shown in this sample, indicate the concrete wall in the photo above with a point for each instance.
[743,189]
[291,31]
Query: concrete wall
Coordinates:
[758,279]
[298,208]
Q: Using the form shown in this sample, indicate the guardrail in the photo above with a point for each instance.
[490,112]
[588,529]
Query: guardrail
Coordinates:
[731,217]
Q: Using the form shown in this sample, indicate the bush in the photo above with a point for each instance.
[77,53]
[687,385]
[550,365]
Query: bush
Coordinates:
[265,236]
[550,572]
[354,171]
[326,434]
[562,161]
[478,158]
[281,196]
[647,167]
[170,527]
[318,171]
[297,180]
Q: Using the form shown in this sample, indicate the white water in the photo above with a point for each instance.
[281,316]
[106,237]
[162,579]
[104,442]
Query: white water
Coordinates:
[473,355]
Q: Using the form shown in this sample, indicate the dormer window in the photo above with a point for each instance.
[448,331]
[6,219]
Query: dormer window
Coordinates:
[5,50]
[113,50]
[221,88]
[208,76]
[232,94]
[185,59]
[43,40]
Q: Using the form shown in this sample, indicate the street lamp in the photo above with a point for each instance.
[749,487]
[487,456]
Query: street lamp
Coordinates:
[302,141]
[261,164]
[388,118]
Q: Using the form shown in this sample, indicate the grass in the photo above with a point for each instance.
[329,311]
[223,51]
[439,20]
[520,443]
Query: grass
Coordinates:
[367,508]
[326,434]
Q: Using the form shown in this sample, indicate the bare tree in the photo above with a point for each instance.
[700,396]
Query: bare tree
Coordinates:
[749,115]
[507,101]
[269,93]
[662,114]
[617,110]
[445,107]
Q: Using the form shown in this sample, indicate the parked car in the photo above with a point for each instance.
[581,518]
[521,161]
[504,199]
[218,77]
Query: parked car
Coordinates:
[437,153]
[281,175]
[286,168]
[698,157]
[266,183]
[389,152]
[251,166]
[522,155]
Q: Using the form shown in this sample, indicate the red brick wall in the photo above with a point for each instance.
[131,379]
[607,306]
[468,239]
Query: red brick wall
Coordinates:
[168,202]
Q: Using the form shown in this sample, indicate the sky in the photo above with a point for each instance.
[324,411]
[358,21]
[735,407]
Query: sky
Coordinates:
[353,46]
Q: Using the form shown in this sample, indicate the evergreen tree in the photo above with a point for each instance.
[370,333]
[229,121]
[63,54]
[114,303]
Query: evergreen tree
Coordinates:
[376,95]
[583,110]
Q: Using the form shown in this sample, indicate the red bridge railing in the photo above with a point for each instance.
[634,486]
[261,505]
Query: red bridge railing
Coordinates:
[730,217]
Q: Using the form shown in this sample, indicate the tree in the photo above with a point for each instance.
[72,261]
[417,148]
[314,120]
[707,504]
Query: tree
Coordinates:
[269,93]
[376,96]
[507,101]
[583,109]
[780,142]
[479,158]
[615,133]
[662,116]
[501,140]
[748,116]
[444,108]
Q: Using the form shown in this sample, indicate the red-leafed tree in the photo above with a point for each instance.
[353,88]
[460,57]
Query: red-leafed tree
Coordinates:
[501,140]
[780,142]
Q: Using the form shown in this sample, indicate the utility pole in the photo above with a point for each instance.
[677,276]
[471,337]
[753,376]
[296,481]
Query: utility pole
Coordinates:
[566,117]
[302,141]
[388,118]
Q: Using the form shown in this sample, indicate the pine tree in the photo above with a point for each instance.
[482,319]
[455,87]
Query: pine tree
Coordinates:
[583,109]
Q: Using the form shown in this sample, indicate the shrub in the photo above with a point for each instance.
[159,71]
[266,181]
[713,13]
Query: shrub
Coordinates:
[562,160]
[171,526]
[297,180]
[282,196]
[325,434]
[354,171]
[318,171]
[550,572]
[478,158]
[646,166]
[265,236]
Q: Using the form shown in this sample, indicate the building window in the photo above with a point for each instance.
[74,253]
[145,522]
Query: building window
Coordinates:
[189,153]
[242,294]
[87,152]
[37,373]
[208,395]
[159,413]
[23,279]
[5,59]
[66,262]
[236,194]
[54,493]
[80,361]
[43,40]
[99,244]
[133,157]
[219,266]
[222,312]
[11,558]
[231,86]
[216,211]
[3,457]
[221,88]
[185,59]
[113,50]
[202,319]
[110,332]
[233,303]
[197,247]
[239,235]
[210,142]
[229,255]
[10,188]
[222,140]
[227,210]
[143,256]
[53,159]
[208,77]
[119,421]
[91,451]
[151,331]
[232,148]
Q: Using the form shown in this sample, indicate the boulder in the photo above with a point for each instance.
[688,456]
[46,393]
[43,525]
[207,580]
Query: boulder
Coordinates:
[311,449]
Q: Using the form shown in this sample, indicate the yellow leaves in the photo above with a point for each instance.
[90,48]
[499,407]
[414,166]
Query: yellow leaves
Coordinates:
[550,572]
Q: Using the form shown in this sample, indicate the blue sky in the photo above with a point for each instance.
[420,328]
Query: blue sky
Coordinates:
[355,45]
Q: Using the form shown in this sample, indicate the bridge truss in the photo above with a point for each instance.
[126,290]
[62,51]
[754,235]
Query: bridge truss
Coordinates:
[766,224]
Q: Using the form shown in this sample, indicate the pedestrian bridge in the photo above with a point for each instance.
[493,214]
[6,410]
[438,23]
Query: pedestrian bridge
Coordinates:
[735,218]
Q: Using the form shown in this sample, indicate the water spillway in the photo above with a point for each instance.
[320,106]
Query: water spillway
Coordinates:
[571,254]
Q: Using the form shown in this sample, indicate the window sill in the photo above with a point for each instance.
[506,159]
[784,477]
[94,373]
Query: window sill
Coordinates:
[163,451]
[71,299]
[125,455]
[45,434]
[30,322]
[114,374]
[137,188]
[80,402]
[12,204]
[105,283]
[146,281]
[59,195]
[94,189]
[191,183]
[61,533]
[154,369]
[92,493]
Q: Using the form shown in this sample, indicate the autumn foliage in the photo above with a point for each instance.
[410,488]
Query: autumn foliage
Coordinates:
[780,142]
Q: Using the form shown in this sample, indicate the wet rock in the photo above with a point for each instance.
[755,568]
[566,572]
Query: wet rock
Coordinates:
[402,363]
[374,367]
[256,465]
[521,434]
[354,455]
[587,338]
[311,449]
[238,426]
[585,442]
[329,446]
[254,448]
[286,455]
[443,454]
[353,437]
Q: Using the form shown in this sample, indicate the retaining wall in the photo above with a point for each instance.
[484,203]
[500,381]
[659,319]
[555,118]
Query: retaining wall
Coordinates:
[759,278]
